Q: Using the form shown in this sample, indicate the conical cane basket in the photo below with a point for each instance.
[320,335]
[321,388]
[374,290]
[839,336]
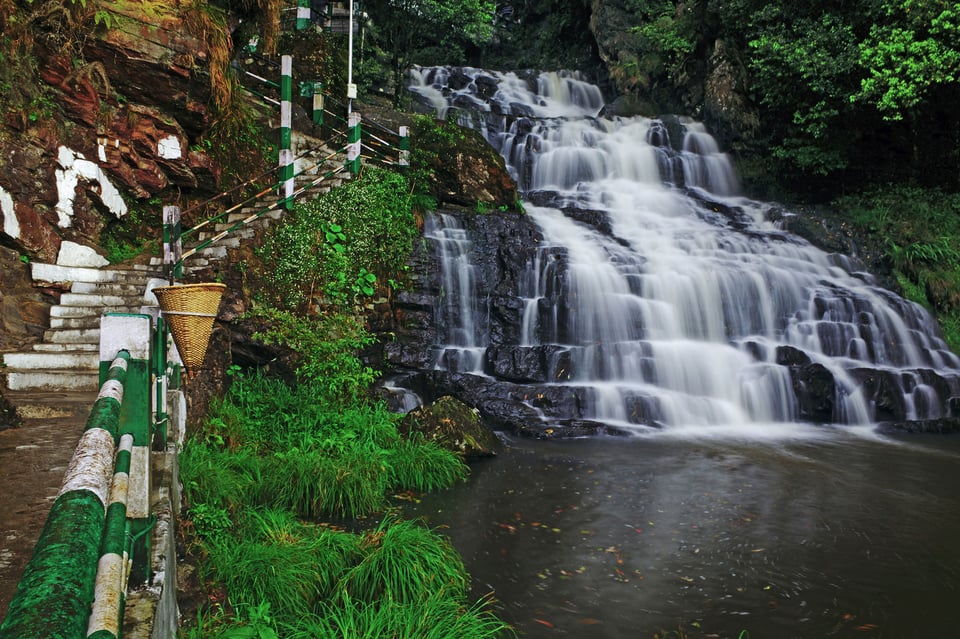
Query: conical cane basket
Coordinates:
[189,310]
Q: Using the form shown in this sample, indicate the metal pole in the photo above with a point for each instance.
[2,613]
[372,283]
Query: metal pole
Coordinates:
[351,89]
[286,121]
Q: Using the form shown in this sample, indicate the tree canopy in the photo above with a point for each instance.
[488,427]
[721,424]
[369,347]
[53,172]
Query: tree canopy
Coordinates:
[428,31]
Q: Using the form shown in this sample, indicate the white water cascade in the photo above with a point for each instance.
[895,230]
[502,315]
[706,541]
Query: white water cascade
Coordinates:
[688,307]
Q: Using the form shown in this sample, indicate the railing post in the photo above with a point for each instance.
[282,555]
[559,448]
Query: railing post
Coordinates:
[404,160]
[113,567]
[303,14]
[135,334]
[172,244]
[158,359]
[318,103]
[353,144]
[286,118]
[54,596]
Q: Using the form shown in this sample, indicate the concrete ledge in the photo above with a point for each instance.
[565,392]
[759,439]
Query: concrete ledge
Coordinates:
[151,610]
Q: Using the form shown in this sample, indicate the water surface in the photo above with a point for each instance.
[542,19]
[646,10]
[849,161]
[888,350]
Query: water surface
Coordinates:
[787,531]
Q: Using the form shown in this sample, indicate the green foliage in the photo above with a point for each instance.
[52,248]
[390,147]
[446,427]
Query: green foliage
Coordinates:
[428,31]
[269,459]
[315,485]
[326,349]
[404,563]
[420,465]
[134,234]
[432,141]
[920,230]
[666,34]
[915,48]
[338,245]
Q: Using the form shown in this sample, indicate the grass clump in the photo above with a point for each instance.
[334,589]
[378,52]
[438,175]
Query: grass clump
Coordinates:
[920,231]
[269,463]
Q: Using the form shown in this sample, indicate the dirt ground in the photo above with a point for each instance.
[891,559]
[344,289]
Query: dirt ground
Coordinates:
[33,459]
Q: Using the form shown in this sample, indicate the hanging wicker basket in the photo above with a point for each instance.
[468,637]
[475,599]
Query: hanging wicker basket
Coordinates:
[189,310]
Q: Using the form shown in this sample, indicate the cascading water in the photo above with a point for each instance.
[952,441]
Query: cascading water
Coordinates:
[657,297]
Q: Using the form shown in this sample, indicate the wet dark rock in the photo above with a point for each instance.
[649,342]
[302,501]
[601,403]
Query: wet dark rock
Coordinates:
[815,389]
[454,426]
[8,414]
[946,426]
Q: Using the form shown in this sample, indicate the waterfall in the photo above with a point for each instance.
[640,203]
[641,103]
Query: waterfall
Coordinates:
[658,296]
[458,315]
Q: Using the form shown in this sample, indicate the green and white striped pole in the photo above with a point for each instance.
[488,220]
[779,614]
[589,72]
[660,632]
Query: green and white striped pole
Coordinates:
[134,332]
[172,244]
[286,121]
[303,14]
[404,160]
[113,567]
[54,596]
[353,143]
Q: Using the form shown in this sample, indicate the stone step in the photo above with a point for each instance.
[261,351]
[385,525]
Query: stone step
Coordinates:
[42,272]
[51,361]
[99,301]
[66,348]
[72,336]
[53,380]
[215,252]
[249,229]
[107,288]
[62,311]
[272,214]
[244,233]
[91,321]
[229,241]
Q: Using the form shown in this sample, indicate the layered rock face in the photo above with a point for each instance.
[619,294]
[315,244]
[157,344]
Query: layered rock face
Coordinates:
[131,109]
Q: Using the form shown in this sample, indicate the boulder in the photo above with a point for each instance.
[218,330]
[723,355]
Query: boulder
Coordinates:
[453,425]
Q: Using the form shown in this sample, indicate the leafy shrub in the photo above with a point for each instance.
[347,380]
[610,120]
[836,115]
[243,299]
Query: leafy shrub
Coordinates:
[406,562]
[338,245]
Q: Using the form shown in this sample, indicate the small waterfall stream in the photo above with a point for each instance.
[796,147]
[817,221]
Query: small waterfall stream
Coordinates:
[657,296]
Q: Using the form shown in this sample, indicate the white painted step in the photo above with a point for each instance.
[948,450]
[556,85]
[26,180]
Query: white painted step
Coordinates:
[72,336]
[53,380]
[100,301]
[104,288]
[51,361]
[273,214]
[54,273]
[91,321]
[213,252]
[62,311]
[66,348]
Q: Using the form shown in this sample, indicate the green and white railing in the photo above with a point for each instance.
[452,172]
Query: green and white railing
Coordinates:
[94,540]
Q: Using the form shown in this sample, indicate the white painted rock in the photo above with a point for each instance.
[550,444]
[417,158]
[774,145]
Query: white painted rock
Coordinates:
[73,254]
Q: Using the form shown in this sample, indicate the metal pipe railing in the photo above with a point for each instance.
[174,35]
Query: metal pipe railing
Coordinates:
[54,597]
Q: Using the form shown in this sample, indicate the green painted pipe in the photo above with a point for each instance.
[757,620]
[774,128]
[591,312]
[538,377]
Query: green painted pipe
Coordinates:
[54,596]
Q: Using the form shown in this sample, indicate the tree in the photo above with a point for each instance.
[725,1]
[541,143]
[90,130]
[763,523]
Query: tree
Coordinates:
[915,49]
[428,31]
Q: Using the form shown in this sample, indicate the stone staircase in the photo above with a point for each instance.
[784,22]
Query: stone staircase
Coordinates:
[67,361]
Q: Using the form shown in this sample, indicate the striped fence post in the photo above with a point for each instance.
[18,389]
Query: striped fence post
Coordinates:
[303,14]
[318,103]
[172,244]
[353,143]
[54,596]
[286,121]
[158,357]
[404,159]
[113,567]
[134,332]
